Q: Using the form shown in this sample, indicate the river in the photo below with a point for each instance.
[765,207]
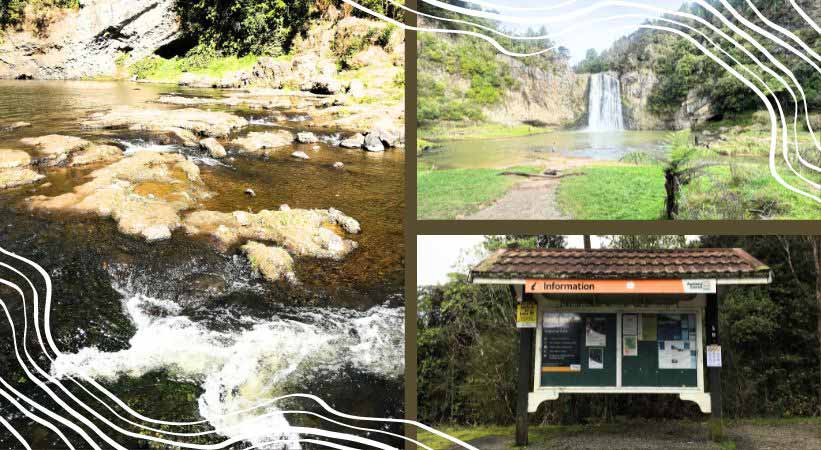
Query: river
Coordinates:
[183,332]
[539,148]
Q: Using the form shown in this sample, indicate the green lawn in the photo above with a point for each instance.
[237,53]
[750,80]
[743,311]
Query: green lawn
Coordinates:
[446,194]
[614,193]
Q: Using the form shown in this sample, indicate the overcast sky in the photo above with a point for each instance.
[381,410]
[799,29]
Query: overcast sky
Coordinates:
[437,255]
[598,35]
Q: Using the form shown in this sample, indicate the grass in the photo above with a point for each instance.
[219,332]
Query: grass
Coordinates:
[446,194]
[614,193]
[462,433]
[162,70]
[464,131]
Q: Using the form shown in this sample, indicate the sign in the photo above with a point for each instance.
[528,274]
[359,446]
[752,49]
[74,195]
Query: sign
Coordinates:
[595,332]
[630,345]
[595,358]
[713,356]
[648,327]
[561,339]
[526,315]
[629,324]
[620,286]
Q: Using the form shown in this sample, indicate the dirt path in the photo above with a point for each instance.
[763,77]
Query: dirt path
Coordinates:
[529,200]
[534,199]
[666,435]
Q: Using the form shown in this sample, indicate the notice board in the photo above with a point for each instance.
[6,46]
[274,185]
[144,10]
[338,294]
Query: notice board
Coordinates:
[666,358]
[578,349]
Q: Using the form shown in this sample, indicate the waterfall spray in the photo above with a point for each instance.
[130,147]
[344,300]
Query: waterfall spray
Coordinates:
[605,113]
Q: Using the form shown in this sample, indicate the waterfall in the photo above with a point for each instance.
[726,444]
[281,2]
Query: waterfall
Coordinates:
[605,103]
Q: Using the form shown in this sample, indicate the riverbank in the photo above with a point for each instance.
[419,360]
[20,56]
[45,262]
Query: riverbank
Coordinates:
[744,434]
[731,179]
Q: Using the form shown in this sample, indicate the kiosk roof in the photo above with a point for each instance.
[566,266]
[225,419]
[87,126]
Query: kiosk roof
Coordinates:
[614,264]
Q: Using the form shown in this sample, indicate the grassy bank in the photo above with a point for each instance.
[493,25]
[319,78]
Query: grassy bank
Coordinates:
[463,131]
[160,70]
[661,434]
[447,194]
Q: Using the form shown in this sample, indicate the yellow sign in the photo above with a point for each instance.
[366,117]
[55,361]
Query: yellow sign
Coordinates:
[526,315]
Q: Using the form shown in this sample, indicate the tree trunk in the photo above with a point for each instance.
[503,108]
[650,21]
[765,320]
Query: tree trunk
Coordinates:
[587,244]
[815,242]
[671,185]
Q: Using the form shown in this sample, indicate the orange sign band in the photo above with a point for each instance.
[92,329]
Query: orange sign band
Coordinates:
[620,286]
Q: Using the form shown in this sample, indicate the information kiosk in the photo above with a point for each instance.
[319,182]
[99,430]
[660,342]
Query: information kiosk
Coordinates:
[619,321]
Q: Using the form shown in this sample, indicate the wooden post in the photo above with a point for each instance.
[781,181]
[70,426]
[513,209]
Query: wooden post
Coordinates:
[714,373]
[523,386]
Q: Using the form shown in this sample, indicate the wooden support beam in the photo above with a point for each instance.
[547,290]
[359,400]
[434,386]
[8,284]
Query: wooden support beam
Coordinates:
[523,386]
[714,373]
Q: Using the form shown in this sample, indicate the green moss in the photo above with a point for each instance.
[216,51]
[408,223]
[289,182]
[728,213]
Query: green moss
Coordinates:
[446,194]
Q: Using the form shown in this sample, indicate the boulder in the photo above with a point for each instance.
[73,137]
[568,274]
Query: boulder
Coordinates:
[184,137]
[10,159]
[13,126]
[323,85]
[273,263]
[373,143]
[18,176]
[144,193]
[272,71]
[356,89]
[300,155]
[388,134]
[200,122]
[355,141]
[55,149]
[257,143]
[339,165]
[306,137]
[215,149]
[95,154]
[316,233]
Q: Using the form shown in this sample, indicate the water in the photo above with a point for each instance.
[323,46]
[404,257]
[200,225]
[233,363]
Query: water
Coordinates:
[604,109]
[541,148]
[182,332]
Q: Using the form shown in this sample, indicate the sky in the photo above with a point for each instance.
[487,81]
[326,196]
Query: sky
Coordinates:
[599,35]
[438,255]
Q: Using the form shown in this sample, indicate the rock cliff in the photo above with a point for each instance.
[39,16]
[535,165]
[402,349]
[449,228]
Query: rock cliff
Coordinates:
[556,97]
[88,41]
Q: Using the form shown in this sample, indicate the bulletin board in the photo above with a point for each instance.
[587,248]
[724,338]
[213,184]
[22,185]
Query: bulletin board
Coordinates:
[578,349]
[667,357]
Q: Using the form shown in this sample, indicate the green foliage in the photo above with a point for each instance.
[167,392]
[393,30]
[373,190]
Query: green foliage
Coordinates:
[592,63]
[13,12]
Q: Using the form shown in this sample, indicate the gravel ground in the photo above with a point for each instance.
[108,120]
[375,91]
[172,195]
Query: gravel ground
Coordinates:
[669,436]
[529,200]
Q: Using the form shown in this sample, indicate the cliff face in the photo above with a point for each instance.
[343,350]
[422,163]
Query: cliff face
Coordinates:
[552,98]
[636,87]
[87,42]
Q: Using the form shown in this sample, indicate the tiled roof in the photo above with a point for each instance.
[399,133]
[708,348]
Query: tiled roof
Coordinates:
[706,263]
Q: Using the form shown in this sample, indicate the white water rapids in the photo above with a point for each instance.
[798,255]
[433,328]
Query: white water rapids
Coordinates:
[604,108]
[241,369]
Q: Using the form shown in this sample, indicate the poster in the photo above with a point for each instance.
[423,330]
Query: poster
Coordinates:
[526,315]
[595,358]
[629,324]
[630,346]
[713,356]
[648,327]
[596,332]
[669,327]
[677,354]
[561,339]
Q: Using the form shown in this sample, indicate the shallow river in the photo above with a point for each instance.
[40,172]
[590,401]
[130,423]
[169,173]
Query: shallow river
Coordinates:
[182,332]
[507,152]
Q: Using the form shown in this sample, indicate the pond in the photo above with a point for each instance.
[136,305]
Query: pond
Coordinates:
[534,149]
[181,331]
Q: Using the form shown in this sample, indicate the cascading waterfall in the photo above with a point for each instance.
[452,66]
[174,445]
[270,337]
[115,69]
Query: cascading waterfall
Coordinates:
[604,109]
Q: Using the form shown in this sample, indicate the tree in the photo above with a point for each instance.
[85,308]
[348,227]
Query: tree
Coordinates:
[815,243]
[636,242]
[525,241]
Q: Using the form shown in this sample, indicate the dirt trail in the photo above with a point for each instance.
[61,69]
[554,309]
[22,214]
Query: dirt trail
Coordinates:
[534,199]
[529,200]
